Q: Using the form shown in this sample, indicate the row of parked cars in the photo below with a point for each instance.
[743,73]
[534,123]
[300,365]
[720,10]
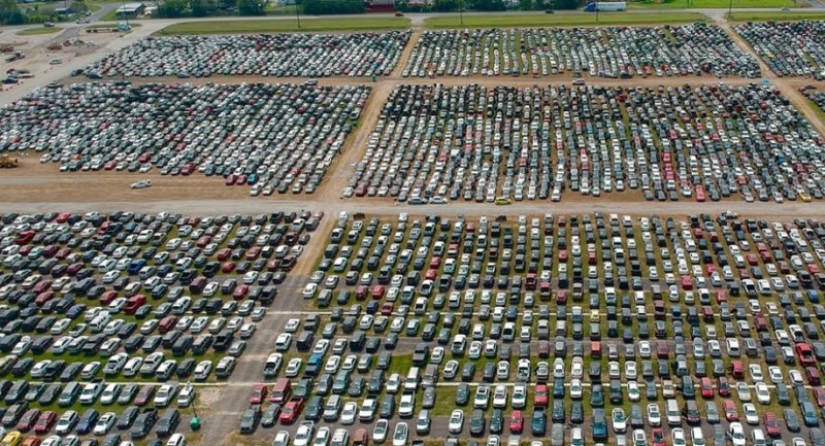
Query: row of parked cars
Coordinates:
[790,49]
[278,55]
[266,137]
[611,52]
[500,144]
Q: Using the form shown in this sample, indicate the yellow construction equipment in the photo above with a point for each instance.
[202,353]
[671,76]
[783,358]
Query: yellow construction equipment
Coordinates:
[7,162]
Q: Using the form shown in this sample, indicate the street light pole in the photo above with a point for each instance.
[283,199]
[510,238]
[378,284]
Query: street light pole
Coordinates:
[730,10]
[461,11]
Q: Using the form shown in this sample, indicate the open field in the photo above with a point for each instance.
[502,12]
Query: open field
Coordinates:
[264,26]
[561,19]
[755,16]
[704,4]
[39,30]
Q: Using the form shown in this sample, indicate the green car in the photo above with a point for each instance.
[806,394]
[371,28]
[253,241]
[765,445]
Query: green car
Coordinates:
[539,423]
[462,395]
[497,421]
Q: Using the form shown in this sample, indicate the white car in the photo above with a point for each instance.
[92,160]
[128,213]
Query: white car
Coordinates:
[756,373]
[304,434]
[577,368]
[678,436]
[500,396]
[576,389]
[456,424]
[796,377]
[558,368]
[763,395]
[292,325]
[407,404]
[393,383]
[104,423]
[633,393]
[743,392]
[644,349]
[630,370]
[322,437]
[619,420]
[737,434]
[751,415]
[654,416]
[519,399]
[283,342]
[399,437]
[142,184]
[293,367]
[775,373]
[66,422]
[349,413]
[379,431]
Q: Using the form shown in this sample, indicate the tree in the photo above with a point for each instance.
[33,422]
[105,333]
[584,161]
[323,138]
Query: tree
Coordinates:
[201,8]
[252,7]
[10,13]
[327,7]
[487,5]
[566,4]
[446,5]
[173,8]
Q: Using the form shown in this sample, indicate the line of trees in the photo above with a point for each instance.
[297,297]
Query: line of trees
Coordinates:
[487,5]
[206,8]
[12,13]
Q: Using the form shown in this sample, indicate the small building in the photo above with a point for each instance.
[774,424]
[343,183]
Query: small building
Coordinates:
[131,10]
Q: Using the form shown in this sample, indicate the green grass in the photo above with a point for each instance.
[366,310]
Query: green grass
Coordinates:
[38,31]
[751,16]
[674,4]
[110,16]
[259,26]
[561,19]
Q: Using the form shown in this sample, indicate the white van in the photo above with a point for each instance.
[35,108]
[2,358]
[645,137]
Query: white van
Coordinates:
[758,438]
[411,381]
[100,321]
[176,440]
[674,415]
[697,438]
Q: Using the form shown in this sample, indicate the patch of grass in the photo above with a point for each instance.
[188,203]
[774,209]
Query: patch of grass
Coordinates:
[262,26]
[561,19]
[400,364]
[673,4]
[110,16]
[755,16]
[39,30]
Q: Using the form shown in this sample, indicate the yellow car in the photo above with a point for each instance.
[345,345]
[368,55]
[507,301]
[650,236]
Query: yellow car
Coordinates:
[13,438]
[503,201]
[804,196]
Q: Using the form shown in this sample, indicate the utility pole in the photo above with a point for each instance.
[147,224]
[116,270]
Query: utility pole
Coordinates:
[297,15]
[461,11]
[597,11]
[730,10]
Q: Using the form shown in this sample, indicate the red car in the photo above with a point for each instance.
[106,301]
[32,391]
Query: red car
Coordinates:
[228,267]
[45,422]
[540,396]
[291,411]
[731,413]
[516,422]
[145,395]
[772,425]
[28,419]
[658,437]
[707,388]
[723,386]
[819,394]
[258,395]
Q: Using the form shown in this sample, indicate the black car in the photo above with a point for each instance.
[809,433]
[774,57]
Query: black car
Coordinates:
[127,418]
[144,423]
[539,423]
[314,408]
[270,415]
[168,423]
[14,412]
[576,412]
[250,419]
[497,421]
[477,423]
